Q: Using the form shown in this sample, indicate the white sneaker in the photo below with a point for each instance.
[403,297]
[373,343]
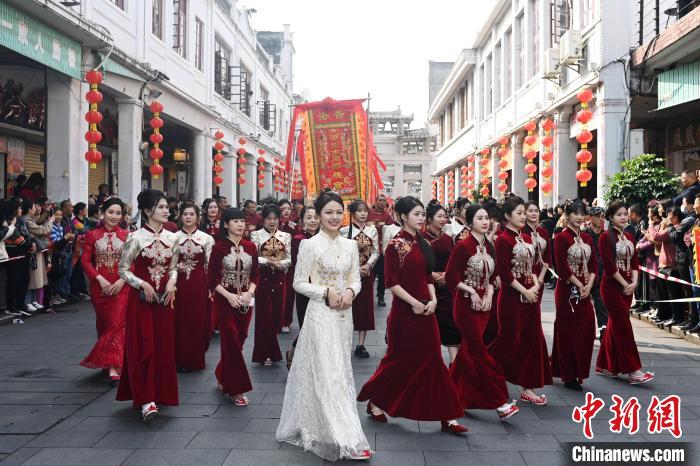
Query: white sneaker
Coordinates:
[37,306]
[30,308]
[12,313]
[285,329]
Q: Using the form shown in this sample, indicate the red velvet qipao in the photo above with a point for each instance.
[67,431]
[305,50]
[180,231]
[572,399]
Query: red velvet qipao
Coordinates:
[235,267]
[543,252]
[367,240]
[411,380]
[213,231]
[618,350]
[519,347]
[149,359]
[574,326]
[289,295]
[269,295]
[476,374]
[192,304]
[102,250]
[441,245]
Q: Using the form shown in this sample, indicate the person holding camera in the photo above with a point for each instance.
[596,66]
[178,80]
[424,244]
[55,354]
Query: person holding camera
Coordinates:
[20,246]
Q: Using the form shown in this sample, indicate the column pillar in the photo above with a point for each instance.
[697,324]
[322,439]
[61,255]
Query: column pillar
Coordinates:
[518,174]
[269,183]
[230,175]
[611,121]
[249,190]
[129,165]
[66,167]
[201,161]
[565,166]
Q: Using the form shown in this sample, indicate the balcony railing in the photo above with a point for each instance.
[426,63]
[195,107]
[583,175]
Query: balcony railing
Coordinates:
[655,16]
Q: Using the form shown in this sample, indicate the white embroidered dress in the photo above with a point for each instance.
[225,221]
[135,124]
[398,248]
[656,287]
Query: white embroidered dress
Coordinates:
[320,411]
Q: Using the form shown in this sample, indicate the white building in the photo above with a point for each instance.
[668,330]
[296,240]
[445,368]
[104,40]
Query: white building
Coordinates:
[528,61]
[200,58]
[406,153]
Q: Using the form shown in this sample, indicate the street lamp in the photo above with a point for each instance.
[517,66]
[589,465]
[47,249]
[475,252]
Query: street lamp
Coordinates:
[181,156]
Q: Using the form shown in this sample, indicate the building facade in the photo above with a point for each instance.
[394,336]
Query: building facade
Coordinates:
[406,153]
[529,61]
[201,59]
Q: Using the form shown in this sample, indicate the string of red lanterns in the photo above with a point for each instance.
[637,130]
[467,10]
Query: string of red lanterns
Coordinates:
[441,189]
[93,117]
[156,138]
[503,164]
[470,176]
[451,187]
[298,186]
[485,179]
[464,191]
[547,155]
[261,169]
[433,189]
[584,136]
[217,168]
[530,154]
[241,161]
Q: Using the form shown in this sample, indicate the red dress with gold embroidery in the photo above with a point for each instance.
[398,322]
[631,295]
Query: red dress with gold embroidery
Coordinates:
[270,291]
[618,350]
[235,267]
[520,347]
[574,326]
[149,358]
[442,245]
[192,301]
[411,380]
[102,250]
[476,374]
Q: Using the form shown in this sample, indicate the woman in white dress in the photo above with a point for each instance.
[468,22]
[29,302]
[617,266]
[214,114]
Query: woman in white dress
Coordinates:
[319,412]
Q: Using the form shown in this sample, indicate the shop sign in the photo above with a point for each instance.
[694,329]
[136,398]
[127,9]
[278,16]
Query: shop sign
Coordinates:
[679,85]
[15,156]
[683,137]
[35,40]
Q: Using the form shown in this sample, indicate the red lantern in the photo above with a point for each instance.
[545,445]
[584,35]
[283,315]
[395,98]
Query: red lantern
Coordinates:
[241,180]
[530,139]
[530,155]
[261,161]
[584,116]
[584,176]
[217,169]
[219,146]
[261,151]
[93,77]
[156,138]
[584,95]
[502,187]
[584,136]
[548,124]
[464,169]
[93,137]
[546,187]
[547,171]
[218,180]
[530,184]
[241,170]
[503,175]
[484,172]
[156,123]
[242,141]
[485,152]
[530,168]
[584,156]
[504,140]
[156,170]
[218,135]
[531,125]
[93,96]
[503,164]
[485,191]
[93,157]
[547,156]
[156,153]
[502,152]
[93,117]
[156,107]
[261,185]
[484,162]
[241,151]
[547,141]
[471,158]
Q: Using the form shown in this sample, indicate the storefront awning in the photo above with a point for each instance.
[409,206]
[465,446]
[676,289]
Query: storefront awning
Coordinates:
[679,85]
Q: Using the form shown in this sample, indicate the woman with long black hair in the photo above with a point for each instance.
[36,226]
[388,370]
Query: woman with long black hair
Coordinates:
[232,277]
[209,223]
[412,380]
[441,244]
[470,276]
[367,241]
[149,265]
[520,347]
[288,226]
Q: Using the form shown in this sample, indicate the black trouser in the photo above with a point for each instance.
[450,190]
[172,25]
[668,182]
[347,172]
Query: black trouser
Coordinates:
[3,286]
[77,280]
[379,273]
[17,283]
[601,313]
[671,290]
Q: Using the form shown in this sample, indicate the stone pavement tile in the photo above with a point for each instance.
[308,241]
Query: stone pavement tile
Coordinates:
[119,424]
[231,410]
[52,387]
[276,457]
[217,398]
[387,458]
[269,387]
[443,458]
[66,398]
[73,456]
[599,436]
[69,422]
[32,419]
[183,424]
[273,399]
[269,411]
[478,421]
[66,439]
[263,377]
[693,440]
[162,457]
[164,440]
[394,426]
[371,438]
[41,372]
[563,413]
[115,408]
[237,440]
[189,410]
[20,456]
[10,443]
[513,442]
[543,458]
[262,425]
[527,426]
[422,442]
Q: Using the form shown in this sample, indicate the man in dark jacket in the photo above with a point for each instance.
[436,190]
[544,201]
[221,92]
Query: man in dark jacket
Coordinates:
[691,187]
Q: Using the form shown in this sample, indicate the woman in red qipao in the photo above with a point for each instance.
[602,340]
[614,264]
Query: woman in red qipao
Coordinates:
[367,240]
[519,347]
[192,300]
[209,224]
[232,277]
[287,226]
[149,265]
[618,350]
[102,250]
[310,225]
[540,240]
[574,326]
[470,276]
[275,257]
[494,230]
[412,380]
[441,244]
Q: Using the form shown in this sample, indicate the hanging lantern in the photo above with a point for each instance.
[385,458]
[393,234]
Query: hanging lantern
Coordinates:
[433,189]
[261,170]
[547,154]
[156,138]
[93,136]
[584,137]
[485,179]
[218,168]
[530,154]
[503,164]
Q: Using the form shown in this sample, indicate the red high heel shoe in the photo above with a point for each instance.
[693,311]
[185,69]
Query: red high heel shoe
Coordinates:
[453,428]
[376,417]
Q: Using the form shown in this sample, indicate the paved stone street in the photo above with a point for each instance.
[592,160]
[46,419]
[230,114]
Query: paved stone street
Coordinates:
[52,411]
